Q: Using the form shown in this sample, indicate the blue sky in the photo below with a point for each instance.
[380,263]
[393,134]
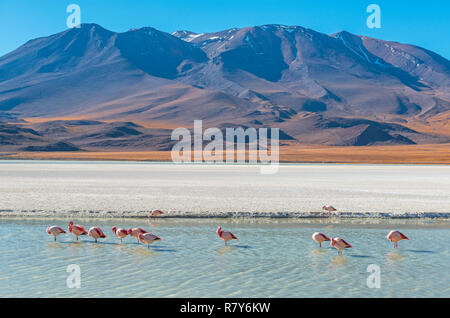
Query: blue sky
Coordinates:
[423,23]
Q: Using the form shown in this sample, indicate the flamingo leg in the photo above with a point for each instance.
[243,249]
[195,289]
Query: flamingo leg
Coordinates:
[55,238]
[320,244]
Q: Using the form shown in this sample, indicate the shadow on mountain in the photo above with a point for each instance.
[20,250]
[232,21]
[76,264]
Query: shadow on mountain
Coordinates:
[158,53]
[53,147]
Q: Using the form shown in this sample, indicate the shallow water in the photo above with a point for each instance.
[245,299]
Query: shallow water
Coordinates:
[127,188]
[273,258]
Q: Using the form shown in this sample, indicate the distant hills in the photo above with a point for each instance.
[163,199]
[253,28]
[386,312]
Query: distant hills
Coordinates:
[90,88]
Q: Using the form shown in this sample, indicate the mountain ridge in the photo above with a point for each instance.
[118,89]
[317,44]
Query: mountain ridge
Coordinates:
[289,77]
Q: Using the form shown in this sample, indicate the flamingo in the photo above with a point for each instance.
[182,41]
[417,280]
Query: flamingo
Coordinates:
[55,231]
[96,233]
[319,238]
[396,236]
[339,244]
[148,238]
[155,213]
[76,230]
[329,208]
[225,235]
[135,232]
[120,233]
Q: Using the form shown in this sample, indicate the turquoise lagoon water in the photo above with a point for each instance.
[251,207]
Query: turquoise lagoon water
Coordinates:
[273,258]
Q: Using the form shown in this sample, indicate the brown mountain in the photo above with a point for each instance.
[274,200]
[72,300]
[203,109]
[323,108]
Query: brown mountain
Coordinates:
[90,88]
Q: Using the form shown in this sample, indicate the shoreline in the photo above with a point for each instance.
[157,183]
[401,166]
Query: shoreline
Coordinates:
[226,215]
[330,223]
[158,161]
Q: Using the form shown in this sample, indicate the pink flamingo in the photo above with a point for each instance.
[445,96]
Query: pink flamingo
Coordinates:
[396,236]
[96,233]
[55,231]
[76,230]
[135,232]
[329,208]
[148,238]
[155,213]
[120,233]
[319,238]
[339,244]
[225,235]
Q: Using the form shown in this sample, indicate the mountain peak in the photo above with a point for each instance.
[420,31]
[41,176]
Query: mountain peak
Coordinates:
[343,34]
[88,29]
[182,33]
[91,26]
[145,29]
[185,35]
[280,26]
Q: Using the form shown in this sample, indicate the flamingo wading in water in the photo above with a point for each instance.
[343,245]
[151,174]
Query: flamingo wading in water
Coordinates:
[96,233]
[396,236]
[55,231]
[135,232]
[225,235]
[76,230]
[319,238]
[339,244]
[120,233]
[155,213]
[329,208]
[148,238]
